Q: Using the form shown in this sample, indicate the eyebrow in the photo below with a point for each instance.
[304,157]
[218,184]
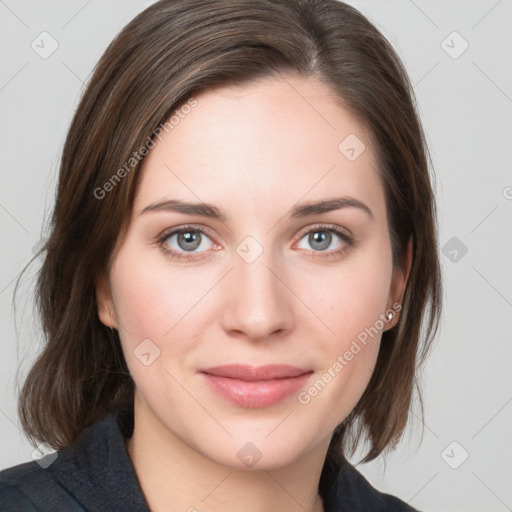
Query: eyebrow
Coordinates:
[299,211]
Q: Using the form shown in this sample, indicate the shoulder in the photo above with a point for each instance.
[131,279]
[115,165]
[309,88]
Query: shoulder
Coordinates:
[367,496]
[94,473]
[29,487]
[350,490]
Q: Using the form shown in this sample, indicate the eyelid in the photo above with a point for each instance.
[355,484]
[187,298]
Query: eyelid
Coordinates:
[326,227]
[191,227]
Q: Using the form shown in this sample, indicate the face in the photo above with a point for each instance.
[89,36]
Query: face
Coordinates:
[257,278]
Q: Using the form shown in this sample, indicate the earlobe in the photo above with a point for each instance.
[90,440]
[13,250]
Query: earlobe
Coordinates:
[105,303]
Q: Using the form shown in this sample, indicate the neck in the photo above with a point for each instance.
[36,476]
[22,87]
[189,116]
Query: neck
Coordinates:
[173,476]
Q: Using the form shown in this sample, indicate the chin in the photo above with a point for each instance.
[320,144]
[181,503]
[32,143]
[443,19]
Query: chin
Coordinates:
[257,450]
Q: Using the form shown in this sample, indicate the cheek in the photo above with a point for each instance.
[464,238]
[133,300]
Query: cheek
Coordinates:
[155,330]
[352,304]
[141,305]
[351,298]
[163,313]
[151,309]
[354,312]
[150,299]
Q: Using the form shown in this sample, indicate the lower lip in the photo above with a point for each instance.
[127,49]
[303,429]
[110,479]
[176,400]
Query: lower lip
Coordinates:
[256,394]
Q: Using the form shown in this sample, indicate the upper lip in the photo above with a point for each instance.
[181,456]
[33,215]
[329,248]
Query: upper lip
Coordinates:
[252,373]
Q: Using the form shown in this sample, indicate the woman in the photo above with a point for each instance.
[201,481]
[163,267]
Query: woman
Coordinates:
[242,253]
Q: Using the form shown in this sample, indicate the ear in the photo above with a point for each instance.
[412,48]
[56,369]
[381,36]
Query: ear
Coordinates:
[105,303]
[398,284]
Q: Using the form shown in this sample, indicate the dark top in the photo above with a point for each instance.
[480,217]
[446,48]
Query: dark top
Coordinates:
[95,473]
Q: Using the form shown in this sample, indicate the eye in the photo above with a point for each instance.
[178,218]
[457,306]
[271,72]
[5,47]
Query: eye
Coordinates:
[185,242]
[326,239]
[189,242]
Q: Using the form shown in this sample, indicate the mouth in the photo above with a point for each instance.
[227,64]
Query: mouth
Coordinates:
[255,387]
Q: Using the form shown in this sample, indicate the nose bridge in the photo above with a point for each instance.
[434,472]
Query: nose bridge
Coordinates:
[259,304]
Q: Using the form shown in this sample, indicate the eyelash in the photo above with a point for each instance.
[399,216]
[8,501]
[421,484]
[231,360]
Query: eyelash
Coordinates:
[347,239]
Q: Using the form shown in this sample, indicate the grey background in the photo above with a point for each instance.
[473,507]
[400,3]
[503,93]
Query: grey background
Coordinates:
[466,106]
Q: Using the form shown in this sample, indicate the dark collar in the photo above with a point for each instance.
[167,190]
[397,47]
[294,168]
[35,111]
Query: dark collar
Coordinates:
[97,469]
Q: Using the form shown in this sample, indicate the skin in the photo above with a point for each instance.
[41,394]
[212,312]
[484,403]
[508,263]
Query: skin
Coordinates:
[254,152]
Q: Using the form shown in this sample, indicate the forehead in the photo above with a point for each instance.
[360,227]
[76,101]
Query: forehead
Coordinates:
[271,142]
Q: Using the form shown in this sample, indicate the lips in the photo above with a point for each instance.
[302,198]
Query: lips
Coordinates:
[251,373]
[255,387]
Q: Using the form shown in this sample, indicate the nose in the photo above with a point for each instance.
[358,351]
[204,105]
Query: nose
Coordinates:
[258,304]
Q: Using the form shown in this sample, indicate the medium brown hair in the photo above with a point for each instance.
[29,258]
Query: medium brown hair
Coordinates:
[171,51]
